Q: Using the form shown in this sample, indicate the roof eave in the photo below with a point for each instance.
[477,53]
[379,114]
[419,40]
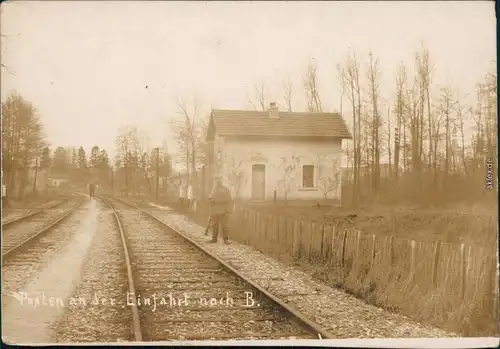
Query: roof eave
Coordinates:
[283,136]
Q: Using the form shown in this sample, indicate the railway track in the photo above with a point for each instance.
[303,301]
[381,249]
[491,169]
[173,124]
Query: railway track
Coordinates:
[32,213]
[178,291]
[16,235]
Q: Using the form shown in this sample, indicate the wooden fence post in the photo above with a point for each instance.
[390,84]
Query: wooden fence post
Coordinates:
[269,226]
[279,233]
[372,257]
[301,248]
[463,271]
[258,226]
[270,229]
[413,258]
[287,233]
[263,226]
[254,228]
[248,230]
[295,244]
[312,230]
[391,250]
[435,262]
[358,237]
[323,247]
[332,242]
[266,222]
[344,236]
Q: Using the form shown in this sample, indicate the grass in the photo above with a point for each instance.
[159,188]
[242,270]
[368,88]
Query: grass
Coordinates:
[474,225]
[393,289]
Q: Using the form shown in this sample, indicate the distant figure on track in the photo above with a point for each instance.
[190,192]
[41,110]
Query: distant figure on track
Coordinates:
[5,203]
[221,204]
[91,190]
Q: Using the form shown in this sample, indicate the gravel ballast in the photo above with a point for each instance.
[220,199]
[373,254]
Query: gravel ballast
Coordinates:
[341,314]
[167,267]
[103,276]
[29,322]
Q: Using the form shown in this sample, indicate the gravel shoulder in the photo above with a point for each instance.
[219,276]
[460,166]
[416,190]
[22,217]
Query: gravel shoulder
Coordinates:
[34,298]
[18,272]
[341,314]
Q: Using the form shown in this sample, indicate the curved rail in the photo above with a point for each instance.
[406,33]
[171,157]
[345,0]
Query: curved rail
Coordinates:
[136,324]
[293,314]
[41,231]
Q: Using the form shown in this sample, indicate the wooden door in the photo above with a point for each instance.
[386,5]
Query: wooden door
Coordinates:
[258,182]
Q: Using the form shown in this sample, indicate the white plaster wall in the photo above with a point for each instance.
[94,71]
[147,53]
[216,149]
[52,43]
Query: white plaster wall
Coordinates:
[324,155]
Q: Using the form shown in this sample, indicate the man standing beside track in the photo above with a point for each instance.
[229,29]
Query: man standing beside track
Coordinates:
[4,196]
[221,204]
[91,190]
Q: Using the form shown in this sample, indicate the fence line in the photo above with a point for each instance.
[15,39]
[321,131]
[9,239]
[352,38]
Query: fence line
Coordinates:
[462,270]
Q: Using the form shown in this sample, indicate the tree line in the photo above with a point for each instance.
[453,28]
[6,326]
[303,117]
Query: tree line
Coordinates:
[140,168]
[80,169]
[24,146]
[411,146]
[27,159]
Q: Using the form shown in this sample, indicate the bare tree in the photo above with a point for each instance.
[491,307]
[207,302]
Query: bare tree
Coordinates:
[124,157]
[310,81]
[484,142]
[288,170]
[350,81]
[389,139]
[188,134]
[287,87]
[328,175]
[140,144]
[260,96]
[235,173]
[415,125]
[424,71]
[426,135]
[399,109]
[376,121]
[445,109]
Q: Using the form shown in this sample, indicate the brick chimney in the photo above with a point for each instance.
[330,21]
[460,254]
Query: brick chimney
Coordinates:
[273,110]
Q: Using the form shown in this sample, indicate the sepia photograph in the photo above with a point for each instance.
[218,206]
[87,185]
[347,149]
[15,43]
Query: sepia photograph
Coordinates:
[237,173]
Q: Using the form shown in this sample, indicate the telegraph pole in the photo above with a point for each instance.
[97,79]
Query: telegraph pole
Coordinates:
[36,175]
[112,182]
[157,171]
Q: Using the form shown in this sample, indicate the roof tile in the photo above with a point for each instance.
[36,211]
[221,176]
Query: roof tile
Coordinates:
[292,124]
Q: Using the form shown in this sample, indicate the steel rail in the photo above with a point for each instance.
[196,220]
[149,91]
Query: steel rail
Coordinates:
[295,315]
[37,211]
[136,323]
[43,230]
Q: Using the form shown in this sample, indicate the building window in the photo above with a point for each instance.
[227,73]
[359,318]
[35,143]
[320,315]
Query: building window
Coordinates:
[308,176]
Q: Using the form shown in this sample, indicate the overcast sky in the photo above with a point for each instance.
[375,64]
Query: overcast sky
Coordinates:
[85,65]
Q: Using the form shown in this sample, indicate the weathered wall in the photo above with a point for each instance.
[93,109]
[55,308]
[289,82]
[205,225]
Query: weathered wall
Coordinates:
[239,155]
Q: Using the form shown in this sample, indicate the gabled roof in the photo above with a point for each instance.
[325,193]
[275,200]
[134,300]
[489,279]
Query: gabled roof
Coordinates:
[291,124]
